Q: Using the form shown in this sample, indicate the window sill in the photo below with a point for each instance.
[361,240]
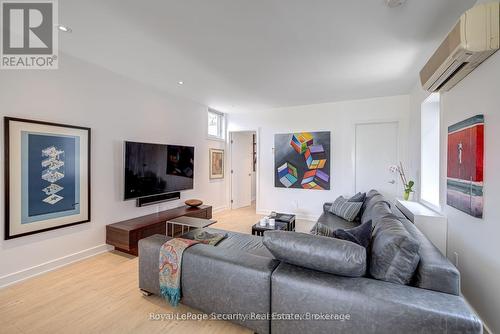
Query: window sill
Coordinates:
[430,206]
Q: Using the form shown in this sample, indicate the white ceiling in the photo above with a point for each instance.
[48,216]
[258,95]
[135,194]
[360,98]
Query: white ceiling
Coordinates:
[241,55]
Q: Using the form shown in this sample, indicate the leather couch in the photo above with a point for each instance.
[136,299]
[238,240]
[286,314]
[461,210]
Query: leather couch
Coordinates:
[240,275]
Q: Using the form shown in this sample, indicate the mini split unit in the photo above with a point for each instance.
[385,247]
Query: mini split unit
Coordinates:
[473,39]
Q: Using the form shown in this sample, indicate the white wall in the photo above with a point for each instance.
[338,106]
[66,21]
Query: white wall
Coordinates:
[117,109]
[339,118]
[474,240]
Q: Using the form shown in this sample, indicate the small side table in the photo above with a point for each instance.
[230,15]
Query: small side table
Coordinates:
[259,230]
[187,223]
[287,218]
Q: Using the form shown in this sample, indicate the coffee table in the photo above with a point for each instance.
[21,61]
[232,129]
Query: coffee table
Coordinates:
[259,230]
[188,223]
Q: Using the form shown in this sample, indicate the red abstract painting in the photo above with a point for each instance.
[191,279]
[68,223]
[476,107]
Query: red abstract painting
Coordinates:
[465,166]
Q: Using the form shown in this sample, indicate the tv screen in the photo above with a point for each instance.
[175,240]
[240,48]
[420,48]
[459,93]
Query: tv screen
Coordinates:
[152,169]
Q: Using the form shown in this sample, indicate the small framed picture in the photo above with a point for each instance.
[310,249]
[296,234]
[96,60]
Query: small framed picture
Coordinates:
[216,163]
[47,176]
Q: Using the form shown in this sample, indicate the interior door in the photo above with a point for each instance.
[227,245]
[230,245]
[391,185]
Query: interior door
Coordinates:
[241,169]
[376,151]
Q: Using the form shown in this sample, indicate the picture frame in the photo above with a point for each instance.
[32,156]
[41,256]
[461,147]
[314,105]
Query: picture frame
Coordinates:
[302,160]
[216,163]
[47,176]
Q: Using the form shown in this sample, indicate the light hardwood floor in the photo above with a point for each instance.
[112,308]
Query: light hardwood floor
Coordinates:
[100,295]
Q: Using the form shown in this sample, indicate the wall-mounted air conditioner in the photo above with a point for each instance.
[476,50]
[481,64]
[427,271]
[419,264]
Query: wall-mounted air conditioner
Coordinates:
[473,39]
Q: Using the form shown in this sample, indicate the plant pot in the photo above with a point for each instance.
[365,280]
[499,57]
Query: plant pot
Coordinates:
[406,195]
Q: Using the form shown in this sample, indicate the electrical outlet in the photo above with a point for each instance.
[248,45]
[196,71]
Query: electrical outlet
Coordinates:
[456,259]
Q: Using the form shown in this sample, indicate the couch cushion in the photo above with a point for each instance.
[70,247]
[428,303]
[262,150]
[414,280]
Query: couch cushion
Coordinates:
[359,197]
[434,271]
[375,207]
[237,241]
[360,235]
[315,252]
[394,252]
[328,222]
[345,209]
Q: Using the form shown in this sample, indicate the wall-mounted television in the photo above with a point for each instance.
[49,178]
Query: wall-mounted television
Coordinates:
[154,169]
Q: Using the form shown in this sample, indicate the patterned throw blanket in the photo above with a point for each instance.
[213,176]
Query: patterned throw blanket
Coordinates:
[171,260]
[170,268]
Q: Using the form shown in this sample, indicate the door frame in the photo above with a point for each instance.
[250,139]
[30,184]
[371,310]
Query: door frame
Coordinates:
[355,141]
[230,164]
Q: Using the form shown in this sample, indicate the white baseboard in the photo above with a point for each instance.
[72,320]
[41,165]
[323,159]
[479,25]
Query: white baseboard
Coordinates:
[219,209]
[52,265]
[308,217]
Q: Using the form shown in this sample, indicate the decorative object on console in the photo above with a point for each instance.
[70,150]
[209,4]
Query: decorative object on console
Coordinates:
[407,185]
[216,163]
[193,202]
[47,176]
[465,166]
[302,160]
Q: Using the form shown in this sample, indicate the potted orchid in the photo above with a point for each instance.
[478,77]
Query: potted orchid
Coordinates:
[407,185]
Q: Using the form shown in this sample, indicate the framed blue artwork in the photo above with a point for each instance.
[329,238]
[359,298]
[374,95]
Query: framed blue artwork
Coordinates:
[47,176]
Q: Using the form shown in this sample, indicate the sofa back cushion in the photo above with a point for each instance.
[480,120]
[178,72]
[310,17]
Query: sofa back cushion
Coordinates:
[434,271]
[394,252]
[375,206]
[316,252]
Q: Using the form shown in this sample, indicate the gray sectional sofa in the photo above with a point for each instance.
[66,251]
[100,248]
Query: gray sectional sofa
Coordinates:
[240,275]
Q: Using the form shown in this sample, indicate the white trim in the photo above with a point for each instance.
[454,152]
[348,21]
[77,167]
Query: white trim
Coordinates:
[432,98]
[42,268]
[219,209]
[431,206]
[230,162]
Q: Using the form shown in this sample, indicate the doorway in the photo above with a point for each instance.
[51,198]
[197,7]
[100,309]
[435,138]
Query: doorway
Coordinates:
[376,150]
[243,171]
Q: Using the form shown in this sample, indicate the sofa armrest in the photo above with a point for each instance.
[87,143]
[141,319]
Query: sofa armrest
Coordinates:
[228,282]
[149,255]
[219,280]
[373,306]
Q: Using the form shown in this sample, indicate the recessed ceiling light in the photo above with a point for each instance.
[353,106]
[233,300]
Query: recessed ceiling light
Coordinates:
[180,82]
[394,3]
[64,28]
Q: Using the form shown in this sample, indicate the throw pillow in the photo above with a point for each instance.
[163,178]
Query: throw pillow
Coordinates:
[394,252]
[330,255]
[360,235]
[359,197]
[345,209]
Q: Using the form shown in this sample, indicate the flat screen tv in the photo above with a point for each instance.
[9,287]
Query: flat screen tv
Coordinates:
[153,169]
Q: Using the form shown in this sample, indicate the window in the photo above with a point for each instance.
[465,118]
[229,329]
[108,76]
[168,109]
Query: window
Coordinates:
[215,124]
[430,151]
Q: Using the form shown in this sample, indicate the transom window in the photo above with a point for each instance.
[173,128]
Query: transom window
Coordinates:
[215,124]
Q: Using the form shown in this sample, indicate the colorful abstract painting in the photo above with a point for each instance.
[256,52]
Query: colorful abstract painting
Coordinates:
[465,166]
[302,160]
